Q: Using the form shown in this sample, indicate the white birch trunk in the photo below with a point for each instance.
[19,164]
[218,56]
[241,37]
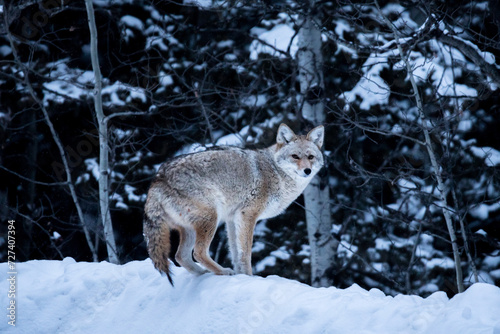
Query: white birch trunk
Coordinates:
[109,236]
[316,195]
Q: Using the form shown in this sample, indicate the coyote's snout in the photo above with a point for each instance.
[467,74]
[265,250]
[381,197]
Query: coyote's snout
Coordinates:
[194,193]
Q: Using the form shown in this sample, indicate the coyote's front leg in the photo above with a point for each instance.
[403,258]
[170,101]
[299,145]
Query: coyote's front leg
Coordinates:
[233,249]
[243,244]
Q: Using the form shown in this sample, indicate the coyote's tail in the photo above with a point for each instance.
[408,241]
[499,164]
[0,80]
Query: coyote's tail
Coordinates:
[157,235]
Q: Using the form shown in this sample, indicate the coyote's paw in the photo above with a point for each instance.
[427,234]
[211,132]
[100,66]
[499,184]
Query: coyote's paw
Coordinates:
[201,271]
[226,271]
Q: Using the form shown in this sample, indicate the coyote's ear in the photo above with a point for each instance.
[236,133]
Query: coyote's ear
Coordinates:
[317,135]
[285,134]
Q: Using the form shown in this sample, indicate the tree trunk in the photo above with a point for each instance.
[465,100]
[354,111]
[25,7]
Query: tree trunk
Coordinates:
[109,236]
[316,195]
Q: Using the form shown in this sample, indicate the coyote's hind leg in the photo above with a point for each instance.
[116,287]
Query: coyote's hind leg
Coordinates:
[184,254]
[205,230]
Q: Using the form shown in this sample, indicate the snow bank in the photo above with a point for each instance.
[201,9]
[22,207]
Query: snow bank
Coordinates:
[70,297]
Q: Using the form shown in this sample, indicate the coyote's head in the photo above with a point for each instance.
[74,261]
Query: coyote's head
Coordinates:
[299,156]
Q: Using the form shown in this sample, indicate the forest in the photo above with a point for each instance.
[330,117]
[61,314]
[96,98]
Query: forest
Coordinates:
[408,92]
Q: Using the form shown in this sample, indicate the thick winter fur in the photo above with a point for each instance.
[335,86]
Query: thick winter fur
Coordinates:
[194,193]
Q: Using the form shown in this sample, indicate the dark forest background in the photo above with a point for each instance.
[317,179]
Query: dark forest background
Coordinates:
[187,76]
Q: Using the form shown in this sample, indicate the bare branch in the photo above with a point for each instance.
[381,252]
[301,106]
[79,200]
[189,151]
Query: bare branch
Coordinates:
[65,183]
[55,136]
[124,114]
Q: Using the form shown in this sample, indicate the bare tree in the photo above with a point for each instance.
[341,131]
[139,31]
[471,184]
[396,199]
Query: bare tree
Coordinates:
[103,141]
[316,195]
[437,169]
[69,182]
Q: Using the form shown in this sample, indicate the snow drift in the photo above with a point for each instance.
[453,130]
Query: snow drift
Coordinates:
[70,297]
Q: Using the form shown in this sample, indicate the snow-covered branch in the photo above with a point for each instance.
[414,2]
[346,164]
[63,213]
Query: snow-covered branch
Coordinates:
[487,65]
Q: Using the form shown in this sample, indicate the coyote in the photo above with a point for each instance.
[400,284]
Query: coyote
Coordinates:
[193,193]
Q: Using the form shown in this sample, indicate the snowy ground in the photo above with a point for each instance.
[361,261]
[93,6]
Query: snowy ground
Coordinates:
[70,297]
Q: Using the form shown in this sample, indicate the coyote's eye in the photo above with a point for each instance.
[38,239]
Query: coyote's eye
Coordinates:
[310,157]
[295,156]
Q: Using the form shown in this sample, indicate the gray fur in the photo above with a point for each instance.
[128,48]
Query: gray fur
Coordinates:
[195,192]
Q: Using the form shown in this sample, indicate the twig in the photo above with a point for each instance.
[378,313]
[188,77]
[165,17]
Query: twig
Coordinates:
[65,183]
